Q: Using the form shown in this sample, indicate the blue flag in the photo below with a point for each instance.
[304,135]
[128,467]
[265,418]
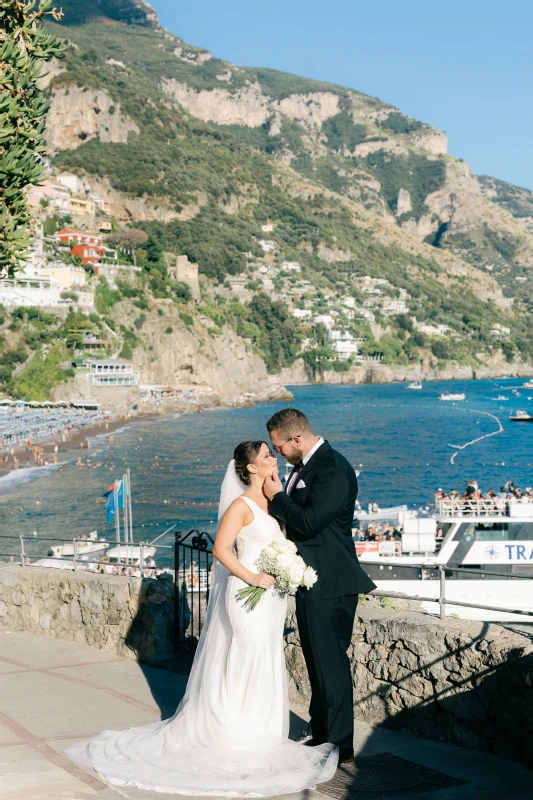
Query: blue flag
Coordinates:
[110,501]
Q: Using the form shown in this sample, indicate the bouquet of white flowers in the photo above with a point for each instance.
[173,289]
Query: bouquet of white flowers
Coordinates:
[281,560]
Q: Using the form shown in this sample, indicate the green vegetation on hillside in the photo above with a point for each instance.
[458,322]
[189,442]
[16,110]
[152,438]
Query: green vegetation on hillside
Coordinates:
[227,183]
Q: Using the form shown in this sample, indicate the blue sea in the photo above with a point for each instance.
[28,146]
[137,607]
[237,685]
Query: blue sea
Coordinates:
[398,439]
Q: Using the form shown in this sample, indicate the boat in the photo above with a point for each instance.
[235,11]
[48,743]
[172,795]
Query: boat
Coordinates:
[521,416]
[528,385]
[129,554]
[452,396]
[502,397]
[84,546]
[414,385]
[484,536]
[515,392]
[391,513]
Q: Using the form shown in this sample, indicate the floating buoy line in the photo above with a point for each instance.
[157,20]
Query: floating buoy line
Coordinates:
[459,447]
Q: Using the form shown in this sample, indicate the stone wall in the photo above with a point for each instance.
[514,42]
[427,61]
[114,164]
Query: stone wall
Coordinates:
[470,683]
[131,617]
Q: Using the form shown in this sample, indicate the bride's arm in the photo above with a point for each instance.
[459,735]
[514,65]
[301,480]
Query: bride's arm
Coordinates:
[230,525]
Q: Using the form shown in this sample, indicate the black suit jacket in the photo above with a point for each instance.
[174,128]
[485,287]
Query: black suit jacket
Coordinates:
[318,518]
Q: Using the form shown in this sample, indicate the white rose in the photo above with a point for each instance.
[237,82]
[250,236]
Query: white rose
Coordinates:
[291,547]
[295,574]
[299,560]
[279,545]
[309,578]
[283,560]
[270,552]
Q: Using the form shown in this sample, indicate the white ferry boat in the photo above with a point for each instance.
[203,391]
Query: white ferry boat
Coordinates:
[452,396]
[480,535]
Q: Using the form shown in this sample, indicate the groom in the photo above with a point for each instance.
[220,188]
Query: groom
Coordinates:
[317,507]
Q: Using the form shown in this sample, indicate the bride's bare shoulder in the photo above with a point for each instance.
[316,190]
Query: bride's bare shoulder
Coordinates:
[239,510]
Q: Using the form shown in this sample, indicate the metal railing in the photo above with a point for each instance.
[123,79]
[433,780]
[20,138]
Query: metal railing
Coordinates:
[478,508]
[193,559]
[442,600]
[77,558]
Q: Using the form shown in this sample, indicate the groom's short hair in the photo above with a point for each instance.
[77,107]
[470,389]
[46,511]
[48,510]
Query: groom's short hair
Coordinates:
[289,422]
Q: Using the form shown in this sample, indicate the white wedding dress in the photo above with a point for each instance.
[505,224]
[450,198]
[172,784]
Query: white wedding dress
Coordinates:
[228,736]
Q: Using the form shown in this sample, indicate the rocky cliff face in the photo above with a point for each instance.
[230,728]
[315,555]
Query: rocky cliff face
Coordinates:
[215,370]
[77,115]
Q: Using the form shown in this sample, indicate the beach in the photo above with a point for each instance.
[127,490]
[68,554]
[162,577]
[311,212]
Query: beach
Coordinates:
[74,446]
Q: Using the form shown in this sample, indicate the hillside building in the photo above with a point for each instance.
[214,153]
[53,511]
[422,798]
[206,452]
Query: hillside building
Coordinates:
[111,372]
[186,272]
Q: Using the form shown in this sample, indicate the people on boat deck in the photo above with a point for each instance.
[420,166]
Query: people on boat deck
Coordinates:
[508,492]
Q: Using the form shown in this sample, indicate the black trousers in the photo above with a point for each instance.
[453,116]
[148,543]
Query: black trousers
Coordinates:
[325,628]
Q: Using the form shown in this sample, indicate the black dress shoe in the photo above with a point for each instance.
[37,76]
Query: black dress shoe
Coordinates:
[346,757]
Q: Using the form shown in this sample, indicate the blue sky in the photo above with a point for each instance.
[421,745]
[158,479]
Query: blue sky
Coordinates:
[465,66]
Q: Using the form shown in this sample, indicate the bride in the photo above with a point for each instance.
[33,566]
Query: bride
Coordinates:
[229,735]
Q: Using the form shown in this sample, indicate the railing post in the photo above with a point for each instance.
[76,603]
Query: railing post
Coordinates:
[141,558]
[75,555]
[22,553]
[177,537]
[442,591]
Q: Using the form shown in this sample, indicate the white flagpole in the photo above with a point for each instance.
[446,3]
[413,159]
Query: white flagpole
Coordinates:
[129,504]
[117,520]
[125,517]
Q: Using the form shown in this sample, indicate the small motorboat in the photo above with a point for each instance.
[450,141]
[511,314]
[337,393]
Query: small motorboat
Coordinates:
[528,385]
[521,416]
[452,396]
[414,385]
[84,546]
[502,397]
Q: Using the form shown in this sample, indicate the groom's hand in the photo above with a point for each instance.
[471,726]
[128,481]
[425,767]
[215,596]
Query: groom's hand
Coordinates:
[272,485]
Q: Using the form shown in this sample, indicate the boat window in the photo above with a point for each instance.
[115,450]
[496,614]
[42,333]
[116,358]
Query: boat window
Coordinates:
[499,531]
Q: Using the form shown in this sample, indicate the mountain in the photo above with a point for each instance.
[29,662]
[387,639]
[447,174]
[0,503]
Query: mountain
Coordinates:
[205,156]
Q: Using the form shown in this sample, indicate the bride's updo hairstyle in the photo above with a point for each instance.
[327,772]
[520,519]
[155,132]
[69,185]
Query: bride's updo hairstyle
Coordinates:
[246,453]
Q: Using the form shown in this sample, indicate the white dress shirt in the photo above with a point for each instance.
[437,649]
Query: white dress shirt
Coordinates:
[305,459]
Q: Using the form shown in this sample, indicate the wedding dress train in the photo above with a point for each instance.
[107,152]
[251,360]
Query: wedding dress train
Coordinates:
[228,736]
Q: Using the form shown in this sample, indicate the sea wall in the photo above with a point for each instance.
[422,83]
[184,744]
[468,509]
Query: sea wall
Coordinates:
[470,683]
[130,617]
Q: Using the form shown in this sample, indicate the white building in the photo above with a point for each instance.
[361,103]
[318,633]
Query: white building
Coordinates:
[325,319]
[349,302]
[267,245]
[433,330]
[72,182]
[394,307]
[302,313]
[111,372]
[112,272]
[500,331]
[268,227]
[364,313]
[68,276]
[30,290]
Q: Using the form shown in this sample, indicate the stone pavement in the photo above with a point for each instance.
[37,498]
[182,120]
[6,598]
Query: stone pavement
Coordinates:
[54,692]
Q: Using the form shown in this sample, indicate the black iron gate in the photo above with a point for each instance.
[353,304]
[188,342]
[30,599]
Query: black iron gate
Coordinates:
[193,559]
